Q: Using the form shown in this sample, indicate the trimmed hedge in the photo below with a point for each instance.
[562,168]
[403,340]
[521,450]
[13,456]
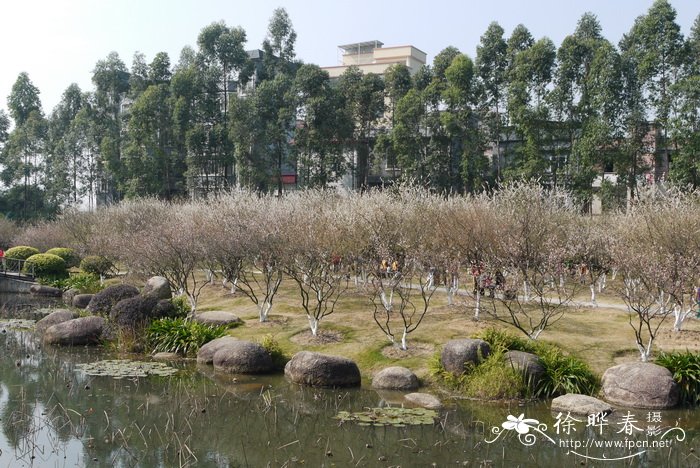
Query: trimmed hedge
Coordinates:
[71,258]
[45,265]
[20,252]
[96,264]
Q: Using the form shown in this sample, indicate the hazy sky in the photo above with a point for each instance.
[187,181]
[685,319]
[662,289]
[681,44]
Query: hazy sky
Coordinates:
[58,42]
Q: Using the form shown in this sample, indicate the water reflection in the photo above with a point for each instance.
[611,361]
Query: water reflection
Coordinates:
[54,415]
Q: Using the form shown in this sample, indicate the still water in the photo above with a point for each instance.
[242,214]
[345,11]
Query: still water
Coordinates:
[53,415]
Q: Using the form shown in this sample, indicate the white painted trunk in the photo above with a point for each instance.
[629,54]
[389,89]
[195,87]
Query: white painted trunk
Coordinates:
[431,277]
[403,339]
[452,290]
[679,317]
[645,353]
[264,310]
[534,335]
[561,281]
[193,303]
[602,282]
[526,289]
[477,306]
[387,302]
[595,304]
[313,325]
[234,286]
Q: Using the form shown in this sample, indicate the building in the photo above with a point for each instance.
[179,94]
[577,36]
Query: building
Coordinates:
[372,57]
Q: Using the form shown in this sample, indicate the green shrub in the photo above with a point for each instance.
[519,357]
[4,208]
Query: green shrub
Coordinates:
[182,306]
[45,265]
[86,283]
[68,255]
[20,252]
[685,367]
[492,379]
[500,339]
[180,336]
[97,265]
[279,357]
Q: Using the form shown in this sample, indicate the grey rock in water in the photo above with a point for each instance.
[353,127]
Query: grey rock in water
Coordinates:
[158,287]
[395,378]
[578,404]
[458,353]
[47,291]
[242,357]
[424,400]
[166,357]
[640,385]
[206,352]
[68,296]
[81,301]
[76,332]
[322,370]
[58,316]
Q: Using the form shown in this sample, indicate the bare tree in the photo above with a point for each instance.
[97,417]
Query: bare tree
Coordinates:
[531,244]
[656,248]
[315,229]
[404,261]
[155,237]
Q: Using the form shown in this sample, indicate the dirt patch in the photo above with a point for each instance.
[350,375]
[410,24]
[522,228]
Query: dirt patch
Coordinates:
[271,322]
[689,339]
[414,349]
[322,337]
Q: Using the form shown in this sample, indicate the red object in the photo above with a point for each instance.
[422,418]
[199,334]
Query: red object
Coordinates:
[2,253]
[289,179]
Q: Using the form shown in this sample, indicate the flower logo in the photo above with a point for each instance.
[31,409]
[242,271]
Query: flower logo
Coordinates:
[520,424]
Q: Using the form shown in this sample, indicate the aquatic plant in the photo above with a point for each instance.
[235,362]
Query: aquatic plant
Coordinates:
[122,368]
[390,416]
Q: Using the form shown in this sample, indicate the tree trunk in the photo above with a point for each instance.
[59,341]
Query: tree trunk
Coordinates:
[477,306]
[313,325]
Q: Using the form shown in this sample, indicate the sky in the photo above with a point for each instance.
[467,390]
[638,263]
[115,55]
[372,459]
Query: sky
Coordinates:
[58,42]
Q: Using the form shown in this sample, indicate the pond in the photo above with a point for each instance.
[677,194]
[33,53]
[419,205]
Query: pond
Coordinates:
[53,414]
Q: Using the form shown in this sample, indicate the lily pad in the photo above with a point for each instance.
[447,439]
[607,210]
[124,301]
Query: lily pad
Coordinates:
[390,416]
[17,324]
[123,368]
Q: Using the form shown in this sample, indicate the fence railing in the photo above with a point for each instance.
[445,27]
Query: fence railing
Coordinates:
[16,267]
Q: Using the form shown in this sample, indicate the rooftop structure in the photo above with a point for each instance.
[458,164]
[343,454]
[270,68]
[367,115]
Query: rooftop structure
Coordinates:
[373,57]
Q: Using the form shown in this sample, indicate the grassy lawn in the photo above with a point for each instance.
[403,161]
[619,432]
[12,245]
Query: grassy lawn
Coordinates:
[601,336]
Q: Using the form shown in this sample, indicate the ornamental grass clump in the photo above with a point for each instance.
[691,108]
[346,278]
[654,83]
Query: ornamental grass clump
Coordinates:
[685,367]
[564,373]
[180,335]
[492,379]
